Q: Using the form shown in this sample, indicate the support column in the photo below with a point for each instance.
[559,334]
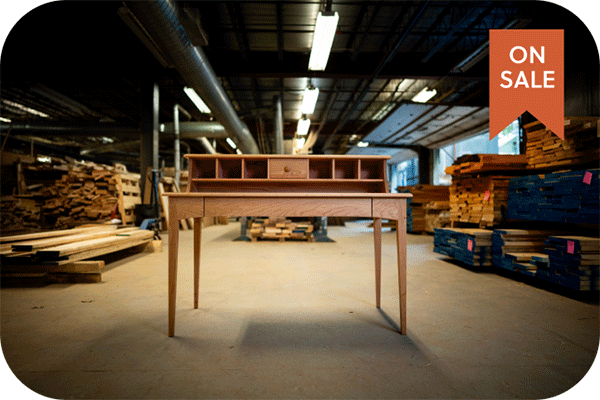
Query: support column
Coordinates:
[425,165]
[149,134]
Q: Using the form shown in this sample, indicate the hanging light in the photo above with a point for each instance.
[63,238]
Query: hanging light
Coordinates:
[309,100]
[424,95]
[191,93]
[303,126]
[323,40]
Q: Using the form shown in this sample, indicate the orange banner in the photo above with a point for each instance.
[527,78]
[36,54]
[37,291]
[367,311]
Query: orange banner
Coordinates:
[527,74]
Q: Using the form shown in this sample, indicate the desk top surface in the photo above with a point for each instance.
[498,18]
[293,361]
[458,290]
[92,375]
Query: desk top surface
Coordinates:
[316,195]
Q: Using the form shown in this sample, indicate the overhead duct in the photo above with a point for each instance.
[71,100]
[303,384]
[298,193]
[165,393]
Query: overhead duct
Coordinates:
[161,20]
[278,125]
[187,129]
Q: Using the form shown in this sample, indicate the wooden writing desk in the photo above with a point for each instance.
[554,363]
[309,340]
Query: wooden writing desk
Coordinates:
[287,186]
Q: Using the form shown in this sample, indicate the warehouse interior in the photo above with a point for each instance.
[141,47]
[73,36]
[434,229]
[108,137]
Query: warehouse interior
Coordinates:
[97,111]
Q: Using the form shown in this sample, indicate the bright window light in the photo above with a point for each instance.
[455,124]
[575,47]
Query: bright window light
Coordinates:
[322,40]
[424,95]
[309,101]
[8,121]
[303,126]
[362,144]
[231,143]
[191,93]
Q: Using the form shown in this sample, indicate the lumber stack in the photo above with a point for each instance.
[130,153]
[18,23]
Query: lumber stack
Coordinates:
[19,213]
[470,246]
[512,249]
[482,163]
[424,209]
[479,200]
[63,251]
[479,190]
[280,229]
[581,144]
[573,261]
[568,197]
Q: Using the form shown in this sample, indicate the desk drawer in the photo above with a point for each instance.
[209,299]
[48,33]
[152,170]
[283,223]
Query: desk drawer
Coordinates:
[288,168]
[287,207]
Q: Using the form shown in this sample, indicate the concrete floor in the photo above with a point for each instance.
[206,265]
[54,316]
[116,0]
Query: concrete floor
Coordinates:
[298,320]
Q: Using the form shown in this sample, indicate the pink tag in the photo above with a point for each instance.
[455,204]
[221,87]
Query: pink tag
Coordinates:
[587,178]
[486,196]
[469,244]
[570,247]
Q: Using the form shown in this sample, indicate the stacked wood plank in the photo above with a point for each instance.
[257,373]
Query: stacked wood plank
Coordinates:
[470,246]
[424,208]
[479,190]
[581,144]
[62,251]
[280,229]
[481,163]
[568,197]
[479,200]
[19,213]
[512,249]
[91,193]
[573,261]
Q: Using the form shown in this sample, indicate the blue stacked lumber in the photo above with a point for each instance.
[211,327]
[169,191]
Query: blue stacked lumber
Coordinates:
[513,248]
[470,246]
[573,261]
[568,197]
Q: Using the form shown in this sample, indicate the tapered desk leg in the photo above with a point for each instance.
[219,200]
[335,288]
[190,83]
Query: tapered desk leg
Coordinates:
[377,241]
[173,254]
[401,249]
[197,241]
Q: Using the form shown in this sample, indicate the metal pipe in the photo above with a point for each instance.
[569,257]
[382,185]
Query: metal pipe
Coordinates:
[176,144]
[207,146]
[160,19]
[277,125]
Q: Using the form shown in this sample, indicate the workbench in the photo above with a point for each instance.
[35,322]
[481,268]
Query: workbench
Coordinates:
[287,186]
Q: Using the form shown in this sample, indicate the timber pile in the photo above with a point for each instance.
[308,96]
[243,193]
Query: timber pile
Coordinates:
[479,200]
[424,209]
[280,229]
[64,251]
[470,246]
[90,193]
[568,197]
[573,261]
[479,190]
[512,249]
[482,163]
[581,144]
[19,213]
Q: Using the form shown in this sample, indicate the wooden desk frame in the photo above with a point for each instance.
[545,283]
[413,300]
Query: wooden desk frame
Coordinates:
[373,205]
[287,186]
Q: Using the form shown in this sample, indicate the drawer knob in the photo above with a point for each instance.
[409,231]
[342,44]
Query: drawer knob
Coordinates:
[286,169]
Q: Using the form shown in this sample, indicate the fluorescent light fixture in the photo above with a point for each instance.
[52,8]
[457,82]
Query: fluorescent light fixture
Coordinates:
[362,144]
[322,40]
[8,121]
[309,101]
[303,126]
[21,109]
[300,143]
[231,143]
[238,151]
[191,93]
[424,95]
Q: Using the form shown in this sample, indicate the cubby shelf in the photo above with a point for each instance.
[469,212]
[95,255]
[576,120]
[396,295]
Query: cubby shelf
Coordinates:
[247,173]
